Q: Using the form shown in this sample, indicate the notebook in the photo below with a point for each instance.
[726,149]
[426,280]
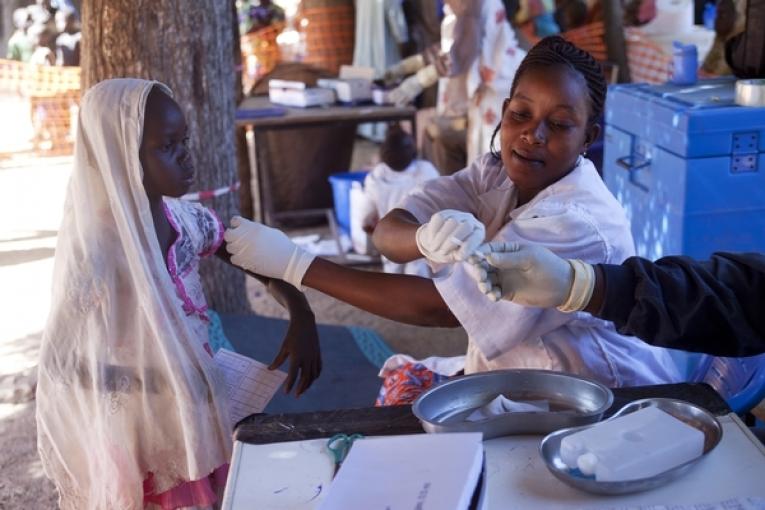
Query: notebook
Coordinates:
[419,471]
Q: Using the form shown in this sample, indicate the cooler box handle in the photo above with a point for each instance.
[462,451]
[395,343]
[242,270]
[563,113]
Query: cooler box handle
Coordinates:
[632,165]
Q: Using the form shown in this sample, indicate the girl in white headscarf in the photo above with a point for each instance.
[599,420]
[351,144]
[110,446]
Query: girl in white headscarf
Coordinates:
[131,411]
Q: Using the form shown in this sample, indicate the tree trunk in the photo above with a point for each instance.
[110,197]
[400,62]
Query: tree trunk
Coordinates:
[188,46]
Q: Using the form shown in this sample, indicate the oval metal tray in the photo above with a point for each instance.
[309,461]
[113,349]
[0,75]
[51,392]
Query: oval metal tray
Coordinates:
[574,401]
[685,411]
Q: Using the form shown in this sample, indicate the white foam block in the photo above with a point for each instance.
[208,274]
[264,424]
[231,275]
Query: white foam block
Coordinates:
[637,445]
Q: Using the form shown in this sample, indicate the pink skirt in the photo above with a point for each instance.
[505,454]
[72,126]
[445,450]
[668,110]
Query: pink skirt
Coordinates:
[202,492]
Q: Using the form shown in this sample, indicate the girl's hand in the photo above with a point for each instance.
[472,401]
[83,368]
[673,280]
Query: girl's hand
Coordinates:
[301,346]
[450,236]
[266,251]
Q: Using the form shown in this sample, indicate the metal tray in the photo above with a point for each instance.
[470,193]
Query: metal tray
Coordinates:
[574,401]
[685,411]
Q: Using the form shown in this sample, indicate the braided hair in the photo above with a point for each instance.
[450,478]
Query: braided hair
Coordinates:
[555,50]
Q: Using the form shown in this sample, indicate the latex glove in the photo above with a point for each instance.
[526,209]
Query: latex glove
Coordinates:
[266,251]
[412,86]
[525,274]
[450,236]
[405,67]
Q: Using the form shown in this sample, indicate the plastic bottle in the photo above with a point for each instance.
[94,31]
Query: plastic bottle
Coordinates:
[710,13]
[686,61]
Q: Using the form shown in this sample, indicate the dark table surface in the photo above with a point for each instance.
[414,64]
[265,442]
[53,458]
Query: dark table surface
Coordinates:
[392,420]
[292,117]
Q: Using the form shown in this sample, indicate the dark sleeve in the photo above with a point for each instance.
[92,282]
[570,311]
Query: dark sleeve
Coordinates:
[716,306]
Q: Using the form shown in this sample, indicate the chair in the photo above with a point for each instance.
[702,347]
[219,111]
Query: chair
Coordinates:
[740,381]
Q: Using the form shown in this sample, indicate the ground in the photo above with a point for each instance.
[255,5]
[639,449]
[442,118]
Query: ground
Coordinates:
[31,201]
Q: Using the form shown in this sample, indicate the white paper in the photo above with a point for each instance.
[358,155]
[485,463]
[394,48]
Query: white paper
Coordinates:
[419,471]
[503,405]
[251,386]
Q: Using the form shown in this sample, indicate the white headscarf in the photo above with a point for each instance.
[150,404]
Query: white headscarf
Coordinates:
[125,385]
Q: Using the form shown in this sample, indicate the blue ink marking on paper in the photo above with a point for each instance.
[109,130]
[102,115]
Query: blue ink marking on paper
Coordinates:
[319,488]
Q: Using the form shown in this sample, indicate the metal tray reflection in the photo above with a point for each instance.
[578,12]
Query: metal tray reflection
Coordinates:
[685,411]
[574,401]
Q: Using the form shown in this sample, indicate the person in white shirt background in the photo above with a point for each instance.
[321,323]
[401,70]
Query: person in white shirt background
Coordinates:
[398,173]
[479,56]
[539,189]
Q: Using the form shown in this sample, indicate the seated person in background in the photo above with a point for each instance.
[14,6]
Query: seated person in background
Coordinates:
[540,189]
[398,173]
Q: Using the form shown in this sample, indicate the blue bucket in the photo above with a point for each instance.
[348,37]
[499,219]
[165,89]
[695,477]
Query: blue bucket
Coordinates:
[341,194]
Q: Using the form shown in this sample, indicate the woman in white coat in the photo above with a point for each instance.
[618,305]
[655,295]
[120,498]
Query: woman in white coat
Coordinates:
[540,189]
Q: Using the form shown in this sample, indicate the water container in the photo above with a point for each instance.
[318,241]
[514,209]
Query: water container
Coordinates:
[685,60]
[710,13]
[341,193]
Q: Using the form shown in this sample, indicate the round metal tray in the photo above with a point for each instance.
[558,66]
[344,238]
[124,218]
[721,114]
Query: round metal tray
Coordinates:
[574,401]
[684,411]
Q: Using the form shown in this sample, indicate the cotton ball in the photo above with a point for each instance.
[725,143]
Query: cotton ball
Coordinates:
[587,463]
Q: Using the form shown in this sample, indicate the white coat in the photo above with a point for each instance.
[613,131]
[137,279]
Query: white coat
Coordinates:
[576,217]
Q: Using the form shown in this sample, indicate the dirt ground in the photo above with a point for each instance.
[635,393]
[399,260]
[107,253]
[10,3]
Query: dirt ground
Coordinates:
[31,200]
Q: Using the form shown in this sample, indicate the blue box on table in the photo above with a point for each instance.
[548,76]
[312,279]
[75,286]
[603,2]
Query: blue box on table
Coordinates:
[688,165]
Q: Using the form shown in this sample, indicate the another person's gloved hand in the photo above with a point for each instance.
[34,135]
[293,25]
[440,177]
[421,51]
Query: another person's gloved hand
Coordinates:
[266,251]
[412,86]
[450,236]
[532,276]
[405,67]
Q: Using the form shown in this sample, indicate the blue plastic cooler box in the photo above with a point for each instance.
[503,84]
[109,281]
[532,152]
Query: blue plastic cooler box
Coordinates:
[688,165]
[341,194]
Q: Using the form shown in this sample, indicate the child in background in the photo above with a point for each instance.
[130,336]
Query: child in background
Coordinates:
[538,189]
[131,409]
[398,173]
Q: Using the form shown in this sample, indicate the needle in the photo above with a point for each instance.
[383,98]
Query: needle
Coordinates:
[459,242]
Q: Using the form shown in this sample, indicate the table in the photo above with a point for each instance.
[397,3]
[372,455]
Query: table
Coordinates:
[290,454]
[293,118]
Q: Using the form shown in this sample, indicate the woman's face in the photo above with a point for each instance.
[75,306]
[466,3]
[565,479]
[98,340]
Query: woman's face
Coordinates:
[544,128]
[164,152]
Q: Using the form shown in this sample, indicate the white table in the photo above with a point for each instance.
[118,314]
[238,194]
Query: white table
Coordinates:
[295,475]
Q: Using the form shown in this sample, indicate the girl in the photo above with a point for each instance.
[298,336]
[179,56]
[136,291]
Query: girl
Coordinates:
[539,189]
[131,411]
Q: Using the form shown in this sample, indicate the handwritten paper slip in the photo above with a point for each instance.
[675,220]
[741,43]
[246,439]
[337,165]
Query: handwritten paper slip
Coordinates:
[418,471]
[250,384]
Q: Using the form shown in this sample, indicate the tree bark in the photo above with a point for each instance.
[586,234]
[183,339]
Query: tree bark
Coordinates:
[187,45]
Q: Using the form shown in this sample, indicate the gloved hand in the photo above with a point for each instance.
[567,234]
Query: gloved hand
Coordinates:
[412,86]
[266,251]
[524,274]
[405,67]
[450,236]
